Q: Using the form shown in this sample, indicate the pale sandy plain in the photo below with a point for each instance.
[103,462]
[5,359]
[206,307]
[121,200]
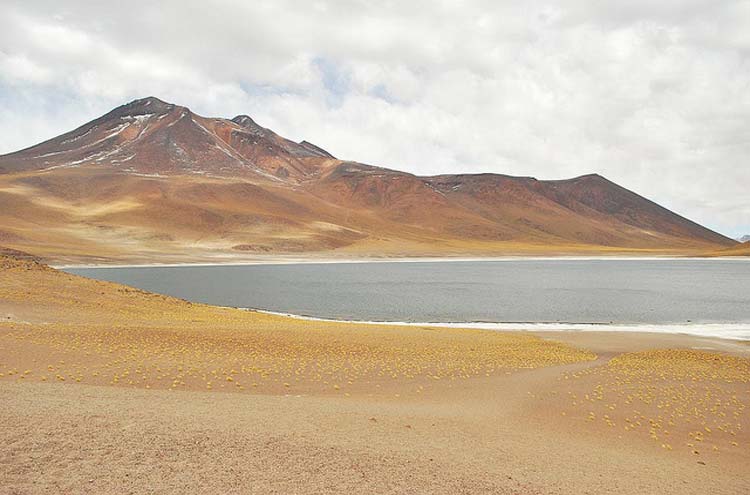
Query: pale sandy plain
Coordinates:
[108,389]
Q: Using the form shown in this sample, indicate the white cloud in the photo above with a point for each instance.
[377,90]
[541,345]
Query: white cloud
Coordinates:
[653,95]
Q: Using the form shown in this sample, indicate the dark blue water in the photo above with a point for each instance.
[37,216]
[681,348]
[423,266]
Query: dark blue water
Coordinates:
[675,291]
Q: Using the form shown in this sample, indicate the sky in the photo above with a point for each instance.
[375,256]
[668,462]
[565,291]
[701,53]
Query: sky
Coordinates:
[654,95]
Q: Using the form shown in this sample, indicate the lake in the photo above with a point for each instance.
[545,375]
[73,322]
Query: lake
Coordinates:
[713,294]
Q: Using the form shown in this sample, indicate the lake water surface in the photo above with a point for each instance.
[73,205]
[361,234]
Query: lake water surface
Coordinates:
[709,296]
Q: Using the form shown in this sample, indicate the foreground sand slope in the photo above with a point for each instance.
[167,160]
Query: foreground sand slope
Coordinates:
[107,389]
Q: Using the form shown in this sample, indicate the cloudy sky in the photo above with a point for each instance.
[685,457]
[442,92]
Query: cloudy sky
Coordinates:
[654,95]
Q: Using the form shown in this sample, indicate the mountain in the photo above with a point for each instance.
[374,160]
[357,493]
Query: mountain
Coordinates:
[151,136]
[744,238]
[152,181]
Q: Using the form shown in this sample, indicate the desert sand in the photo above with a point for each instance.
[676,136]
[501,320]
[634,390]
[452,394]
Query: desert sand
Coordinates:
[109,389]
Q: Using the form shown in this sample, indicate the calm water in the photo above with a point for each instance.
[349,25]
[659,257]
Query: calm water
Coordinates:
[527,291]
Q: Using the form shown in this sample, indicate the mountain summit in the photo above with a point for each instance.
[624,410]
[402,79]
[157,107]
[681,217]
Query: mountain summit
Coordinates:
[151,179]
[151,136]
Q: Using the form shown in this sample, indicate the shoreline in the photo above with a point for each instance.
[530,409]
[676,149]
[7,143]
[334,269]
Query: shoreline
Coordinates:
[445,259]
[735,332]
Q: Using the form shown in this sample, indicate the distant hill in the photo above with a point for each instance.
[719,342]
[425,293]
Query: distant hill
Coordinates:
[742,249]
[744,238]
[152,180]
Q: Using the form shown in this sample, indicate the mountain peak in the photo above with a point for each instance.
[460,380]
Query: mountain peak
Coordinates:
[149,135]
[148,100]
[592,176]
[244,120]
[142,106]
[248,123]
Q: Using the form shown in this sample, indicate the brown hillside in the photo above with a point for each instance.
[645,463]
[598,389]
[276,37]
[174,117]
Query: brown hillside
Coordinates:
[738,250]
[153,137]
[154,181]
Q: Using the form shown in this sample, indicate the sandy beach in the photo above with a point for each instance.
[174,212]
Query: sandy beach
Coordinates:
[109,389]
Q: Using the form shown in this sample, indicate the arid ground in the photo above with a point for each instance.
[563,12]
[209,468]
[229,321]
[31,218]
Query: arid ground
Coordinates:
[108,389]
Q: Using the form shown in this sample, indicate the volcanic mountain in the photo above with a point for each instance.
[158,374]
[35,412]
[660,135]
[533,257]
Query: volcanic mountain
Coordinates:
[152,181]
[151,136]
